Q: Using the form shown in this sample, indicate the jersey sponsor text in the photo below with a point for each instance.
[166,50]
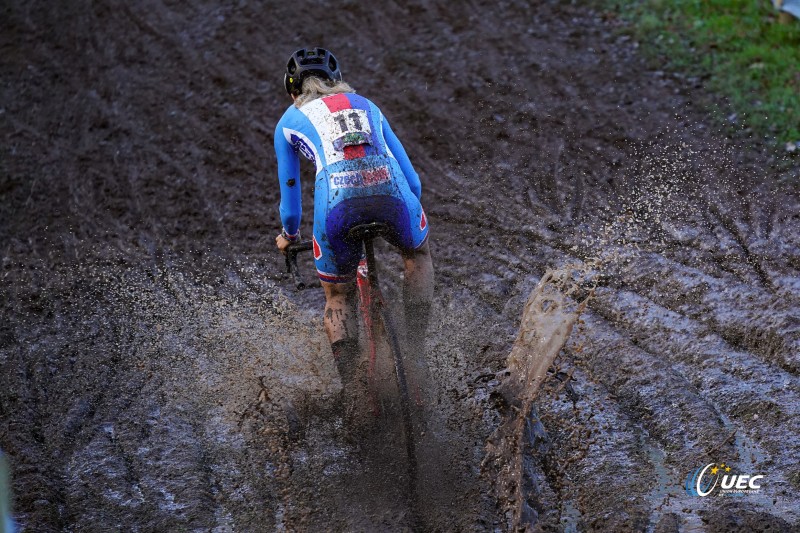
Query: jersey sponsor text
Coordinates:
[359,178]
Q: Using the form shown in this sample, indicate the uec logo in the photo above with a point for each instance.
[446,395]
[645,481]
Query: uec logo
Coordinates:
[703,481]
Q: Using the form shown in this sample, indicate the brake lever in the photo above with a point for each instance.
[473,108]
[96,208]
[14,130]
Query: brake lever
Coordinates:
[291,262]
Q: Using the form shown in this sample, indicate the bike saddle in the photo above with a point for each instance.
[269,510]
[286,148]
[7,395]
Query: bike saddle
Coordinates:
[365,232]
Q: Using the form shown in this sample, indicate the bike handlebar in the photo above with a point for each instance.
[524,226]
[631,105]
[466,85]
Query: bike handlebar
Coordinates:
[291,262]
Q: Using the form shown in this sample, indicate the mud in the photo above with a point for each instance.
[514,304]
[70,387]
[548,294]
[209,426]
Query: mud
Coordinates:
[547,322]
[158,372]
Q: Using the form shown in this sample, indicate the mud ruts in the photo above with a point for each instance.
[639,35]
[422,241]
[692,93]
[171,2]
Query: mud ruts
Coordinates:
[150,349]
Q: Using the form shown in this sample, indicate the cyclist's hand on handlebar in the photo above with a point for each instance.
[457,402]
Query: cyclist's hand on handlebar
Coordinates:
[282,243]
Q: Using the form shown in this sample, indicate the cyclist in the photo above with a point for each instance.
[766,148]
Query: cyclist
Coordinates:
[363,175]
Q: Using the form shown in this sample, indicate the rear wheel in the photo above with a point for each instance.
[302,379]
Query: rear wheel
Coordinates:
[375,314]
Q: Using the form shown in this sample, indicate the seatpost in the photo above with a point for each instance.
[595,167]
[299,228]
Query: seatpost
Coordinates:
[372,270]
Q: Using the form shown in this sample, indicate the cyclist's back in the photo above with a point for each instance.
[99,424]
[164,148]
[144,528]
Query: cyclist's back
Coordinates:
[362,175]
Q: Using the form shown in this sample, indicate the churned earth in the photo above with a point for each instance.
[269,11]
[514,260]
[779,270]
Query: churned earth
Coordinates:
[151,346]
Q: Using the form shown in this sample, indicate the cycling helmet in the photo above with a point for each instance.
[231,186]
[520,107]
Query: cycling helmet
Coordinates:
[310,62]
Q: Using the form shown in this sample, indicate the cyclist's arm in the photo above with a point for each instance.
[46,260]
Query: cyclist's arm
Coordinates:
[402,158]
[289,178]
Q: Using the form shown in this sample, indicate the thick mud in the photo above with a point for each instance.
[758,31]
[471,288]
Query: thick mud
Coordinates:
[158,372]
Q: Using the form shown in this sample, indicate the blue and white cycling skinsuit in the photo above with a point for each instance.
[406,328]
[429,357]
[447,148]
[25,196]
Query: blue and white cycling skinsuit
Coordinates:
[363,175]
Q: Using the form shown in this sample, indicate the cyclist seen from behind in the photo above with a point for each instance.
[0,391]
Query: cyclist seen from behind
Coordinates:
[363,175]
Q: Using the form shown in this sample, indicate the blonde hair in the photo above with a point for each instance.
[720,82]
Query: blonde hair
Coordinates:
[314,87]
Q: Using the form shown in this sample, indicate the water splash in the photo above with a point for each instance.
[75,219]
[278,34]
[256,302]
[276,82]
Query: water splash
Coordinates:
[547,321]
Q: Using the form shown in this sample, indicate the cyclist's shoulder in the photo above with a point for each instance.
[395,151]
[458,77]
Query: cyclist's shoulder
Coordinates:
[371,103]
[358,98]
[292,119]
[292,114]
[359,101]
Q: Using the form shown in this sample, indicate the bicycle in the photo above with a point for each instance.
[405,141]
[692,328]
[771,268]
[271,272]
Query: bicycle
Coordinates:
[374,313]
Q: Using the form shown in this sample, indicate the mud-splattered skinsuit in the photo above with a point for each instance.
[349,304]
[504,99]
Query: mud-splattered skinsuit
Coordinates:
[363,175]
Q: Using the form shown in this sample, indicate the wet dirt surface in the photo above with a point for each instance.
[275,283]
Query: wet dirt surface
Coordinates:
[150,347]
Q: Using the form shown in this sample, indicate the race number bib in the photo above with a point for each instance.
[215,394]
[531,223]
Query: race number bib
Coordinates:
[350,128]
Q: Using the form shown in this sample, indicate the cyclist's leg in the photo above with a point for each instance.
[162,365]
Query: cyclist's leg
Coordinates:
[340,318]
[410,227]
[412,240]
[336,263]
[342,329]
[341,326]
[417,293]
[418,278]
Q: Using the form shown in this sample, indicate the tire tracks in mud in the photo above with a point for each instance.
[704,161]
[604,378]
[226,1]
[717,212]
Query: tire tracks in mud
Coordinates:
[678,407]
[675,398]
[696,311]
[738,384]
[169,412]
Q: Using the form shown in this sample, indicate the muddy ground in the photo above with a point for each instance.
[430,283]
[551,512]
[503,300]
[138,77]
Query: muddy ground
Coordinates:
[149,342]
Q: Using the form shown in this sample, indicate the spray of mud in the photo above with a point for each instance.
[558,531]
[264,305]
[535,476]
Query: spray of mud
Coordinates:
[154,399]
[550,313]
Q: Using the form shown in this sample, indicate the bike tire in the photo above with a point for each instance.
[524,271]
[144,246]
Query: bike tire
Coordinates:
[375,301]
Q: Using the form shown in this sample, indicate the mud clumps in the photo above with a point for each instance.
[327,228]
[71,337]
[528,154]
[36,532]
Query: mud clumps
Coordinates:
[149,346]
[547,321]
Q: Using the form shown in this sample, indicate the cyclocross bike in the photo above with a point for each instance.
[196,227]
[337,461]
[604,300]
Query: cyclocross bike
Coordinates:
[377,320]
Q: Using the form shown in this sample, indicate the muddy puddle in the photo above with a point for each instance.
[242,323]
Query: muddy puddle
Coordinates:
[157,372]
